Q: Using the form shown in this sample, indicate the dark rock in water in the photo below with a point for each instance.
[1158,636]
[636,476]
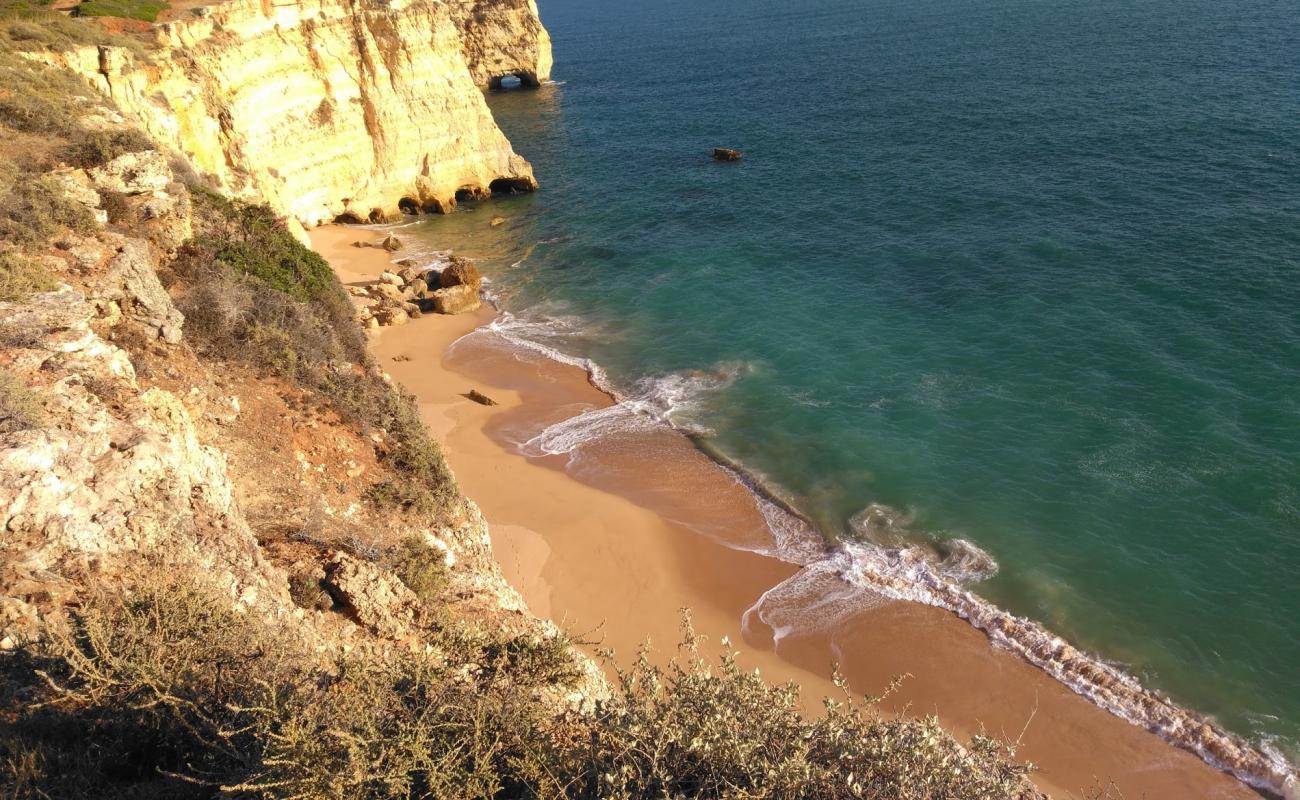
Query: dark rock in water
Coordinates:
[461,272]
[480,398]
[725,154]
[391,243]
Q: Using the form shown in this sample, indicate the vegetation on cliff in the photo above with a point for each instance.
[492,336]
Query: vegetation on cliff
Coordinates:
[183,697]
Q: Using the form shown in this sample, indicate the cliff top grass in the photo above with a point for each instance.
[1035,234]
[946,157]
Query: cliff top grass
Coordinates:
[27,25]
[146,10]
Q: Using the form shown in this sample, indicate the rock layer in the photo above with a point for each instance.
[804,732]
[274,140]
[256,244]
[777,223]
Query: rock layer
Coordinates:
[329,108]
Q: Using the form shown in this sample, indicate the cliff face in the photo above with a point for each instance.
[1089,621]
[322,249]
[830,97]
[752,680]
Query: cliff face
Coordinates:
[329,108]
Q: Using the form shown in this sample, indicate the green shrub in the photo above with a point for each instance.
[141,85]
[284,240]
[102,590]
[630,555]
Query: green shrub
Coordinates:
[146,10]
[35,208]
[421,567]
[20,407]
[21,277]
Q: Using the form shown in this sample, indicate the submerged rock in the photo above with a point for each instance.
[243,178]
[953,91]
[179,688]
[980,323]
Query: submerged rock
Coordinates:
[726,154]
[480,398]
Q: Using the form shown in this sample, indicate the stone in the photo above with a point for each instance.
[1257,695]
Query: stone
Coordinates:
[726,154]
[417,287]
[498,221]
[76,186]
[456,299]
[461,272]
[392,278]
[480,398]
[133,173]
[376,597]
[391,243]
[385,291]
[392,316]
[132,281]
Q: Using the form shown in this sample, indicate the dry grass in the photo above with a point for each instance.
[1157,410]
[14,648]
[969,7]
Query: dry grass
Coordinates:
[21,277]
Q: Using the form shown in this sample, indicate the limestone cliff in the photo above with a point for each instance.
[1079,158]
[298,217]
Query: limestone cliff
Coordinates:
[334,108]
[502,38]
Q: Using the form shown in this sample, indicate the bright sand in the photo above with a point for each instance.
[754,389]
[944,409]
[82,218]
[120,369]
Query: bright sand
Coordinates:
[604,558]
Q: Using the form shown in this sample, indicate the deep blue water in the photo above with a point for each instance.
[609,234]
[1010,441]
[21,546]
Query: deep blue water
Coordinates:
[1027,272]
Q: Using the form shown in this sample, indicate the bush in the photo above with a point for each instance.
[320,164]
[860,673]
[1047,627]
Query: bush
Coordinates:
[307,592]
[20,407]
[422,568]
[21,277]
[35,208]
[179,696]
[165,691]
[96,148]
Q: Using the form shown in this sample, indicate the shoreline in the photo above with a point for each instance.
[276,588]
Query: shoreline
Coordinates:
[617,553]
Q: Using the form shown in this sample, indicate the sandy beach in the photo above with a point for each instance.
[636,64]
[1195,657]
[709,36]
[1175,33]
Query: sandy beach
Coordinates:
[614,550]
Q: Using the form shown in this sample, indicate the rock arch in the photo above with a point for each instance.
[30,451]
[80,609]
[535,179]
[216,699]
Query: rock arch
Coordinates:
[514,80]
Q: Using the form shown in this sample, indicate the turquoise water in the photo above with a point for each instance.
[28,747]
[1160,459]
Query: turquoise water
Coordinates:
[1026,272]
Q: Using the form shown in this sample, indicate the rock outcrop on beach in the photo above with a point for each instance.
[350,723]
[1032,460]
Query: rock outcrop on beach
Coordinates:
[329,109]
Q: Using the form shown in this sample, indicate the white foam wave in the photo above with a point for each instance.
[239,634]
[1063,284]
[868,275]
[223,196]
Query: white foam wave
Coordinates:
[858,575]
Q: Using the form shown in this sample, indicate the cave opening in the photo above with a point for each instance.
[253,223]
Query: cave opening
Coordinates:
[348,218]
[511,186]
[408,205]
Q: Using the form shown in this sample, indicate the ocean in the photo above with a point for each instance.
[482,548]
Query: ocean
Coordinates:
[1015,283]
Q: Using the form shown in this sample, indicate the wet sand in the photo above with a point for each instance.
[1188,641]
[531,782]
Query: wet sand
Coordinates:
[613,546]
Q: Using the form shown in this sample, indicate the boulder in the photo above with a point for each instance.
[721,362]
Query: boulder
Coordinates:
[376,597]
[133,173]
[409,274]
[391,243]
[385,291]
[480,398]
[461,272]
[391,315]
[456,299]
[417,288]
[392,278]
[726,154]
[132,280]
